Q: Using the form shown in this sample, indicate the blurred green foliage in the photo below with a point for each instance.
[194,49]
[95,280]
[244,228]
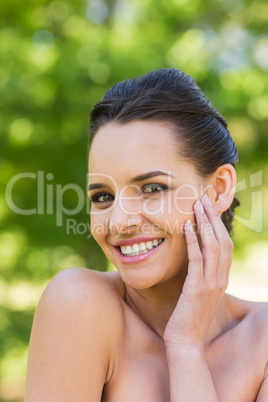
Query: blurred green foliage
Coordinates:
[56,60]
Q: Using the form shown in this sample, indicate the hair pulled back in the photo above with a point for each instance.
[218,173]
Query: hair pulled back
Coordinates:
[170,96]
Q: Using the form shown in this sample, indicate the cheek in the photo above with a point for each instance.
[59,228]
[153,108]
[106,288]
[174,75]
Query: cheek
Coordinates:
[155,206]
[175,204]
[184,199]
[99,226]
[171,211]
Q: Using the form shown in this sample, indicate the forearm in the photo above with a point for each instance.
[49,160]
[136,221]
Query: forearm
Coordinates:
[190,378]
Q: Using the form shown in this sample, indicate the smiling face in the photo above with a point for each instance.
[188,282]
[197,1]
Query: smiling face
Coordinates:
[142,193]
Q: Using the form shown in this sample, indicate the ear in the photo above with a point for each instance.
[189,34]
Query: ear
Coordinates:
[222,187]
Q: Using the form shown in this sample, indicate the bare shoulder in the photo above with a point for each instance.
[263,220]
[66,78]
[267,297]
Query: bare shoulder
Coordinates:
[77,283]
[253,313]
[258,320]
[252,319]
[248,335]
[77,327]
[84,293]
[257,313]
[113,279]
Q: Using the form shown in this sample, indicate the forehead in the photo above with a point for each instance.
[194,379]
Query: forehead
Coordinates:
[136,143]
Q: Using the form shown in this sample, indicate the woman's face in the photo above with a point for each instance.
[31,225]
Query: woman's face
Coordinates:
[142,193]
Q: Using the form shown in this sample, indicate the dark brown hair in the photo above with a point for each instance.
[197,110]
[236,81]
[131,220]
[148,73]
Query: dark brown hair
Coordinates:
[169,95]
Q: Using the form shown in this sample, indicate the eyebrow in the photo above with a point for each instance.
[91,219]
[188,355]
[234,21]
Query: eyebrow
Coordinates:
[135,179]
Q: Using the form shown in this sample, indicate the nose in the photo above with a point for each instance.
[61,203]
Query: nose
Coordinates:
[125,216]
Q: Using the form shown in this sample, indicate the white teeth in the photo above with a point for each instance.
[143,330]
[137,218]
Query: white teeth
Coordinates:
[128,250]
[135,248]
[140,248]
[149,245]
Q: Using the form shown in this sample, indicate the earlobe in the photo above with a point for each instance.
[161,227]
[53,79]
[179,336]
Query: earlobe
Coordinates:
[223,182]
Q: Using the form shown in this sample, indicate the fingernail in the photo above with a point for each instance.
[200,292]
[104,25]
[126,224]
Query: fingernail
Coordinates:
[207,200]
[200,207]
[189,225]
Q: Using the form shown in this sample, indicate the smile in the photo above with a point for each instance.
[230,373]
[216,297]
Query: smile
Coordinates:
[140,248]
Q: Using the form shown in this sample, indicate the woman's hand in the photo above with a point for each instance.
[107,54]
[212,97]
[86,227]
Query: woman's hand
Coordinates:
[207,279]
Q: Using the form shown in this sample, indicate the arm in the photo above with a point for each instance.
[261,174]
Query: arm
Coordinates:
[73,335]
[186,333]
[190,378]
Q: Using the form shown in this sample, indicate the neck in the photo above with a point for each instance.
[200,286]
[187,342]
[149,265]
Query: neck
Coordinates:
[155,306]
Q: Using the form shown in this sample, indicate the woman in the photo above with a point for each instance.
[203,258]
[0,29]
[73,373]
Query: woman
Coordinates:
[161,181]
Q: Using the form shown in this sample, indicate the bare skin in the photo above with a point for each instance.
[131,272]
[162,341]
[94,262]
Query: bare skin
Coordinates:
[137,368]
[162,328]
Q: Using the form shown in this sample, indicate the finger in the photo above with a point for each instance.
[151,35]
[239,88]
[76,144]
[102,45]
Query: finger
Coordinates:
[224,241]
[195,265]
[210,246]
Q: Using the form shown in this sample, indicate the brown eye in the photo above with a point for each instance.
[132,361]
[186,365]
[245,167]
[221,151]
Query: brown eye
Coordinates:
[102,197]
[154,188]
